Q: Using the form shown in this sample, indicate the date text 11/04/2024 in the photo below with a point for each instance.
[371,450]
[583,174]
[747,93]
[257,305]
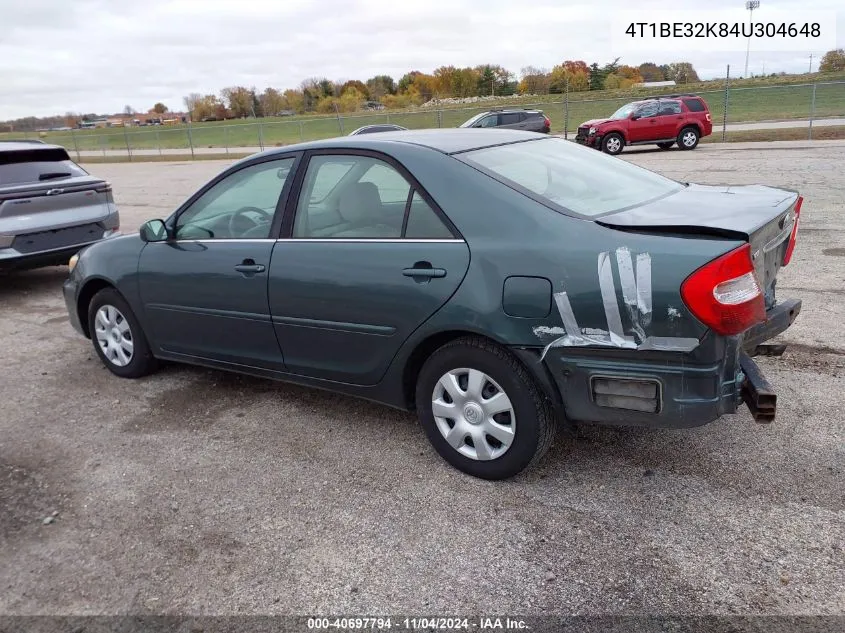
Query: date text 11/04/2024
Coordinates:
[723,29]
[420,623]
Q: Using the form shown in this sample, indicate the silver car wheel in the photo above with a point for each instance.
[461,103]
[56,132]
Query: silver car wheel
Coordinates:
[614,145]
[114,336]
[474,414]
[689,139]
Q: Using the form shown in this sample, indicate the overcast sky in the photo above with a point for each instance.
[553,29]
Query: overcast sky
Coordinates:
[100,55]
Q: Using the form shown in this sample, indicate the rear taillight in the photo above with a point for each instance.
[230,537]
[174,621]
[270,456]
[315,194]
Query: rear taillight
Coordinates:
[725,294]
[793,237]
[708,117]
[103,188]
[548,121]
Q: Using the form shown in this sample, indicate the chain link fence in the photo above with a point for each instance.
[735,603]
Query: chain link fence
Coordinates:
[802,104]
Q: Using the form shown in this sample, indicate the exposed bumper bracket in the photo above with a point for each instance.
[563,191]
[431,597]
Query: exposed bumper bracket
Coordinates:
[756,391]
[777,320]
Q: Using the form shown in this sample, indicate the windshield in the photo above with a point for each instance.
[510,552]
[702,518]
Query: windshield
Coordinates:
[474,119]
[571,177]
[624,112]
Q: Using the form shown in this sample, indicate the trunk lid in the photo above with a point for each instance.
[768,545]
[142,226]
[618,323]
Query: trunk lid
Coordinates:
[760,215]
[53,204]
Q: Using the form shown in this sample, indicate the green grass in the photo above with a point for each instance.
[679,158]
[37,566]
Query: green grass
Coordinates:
[748,100]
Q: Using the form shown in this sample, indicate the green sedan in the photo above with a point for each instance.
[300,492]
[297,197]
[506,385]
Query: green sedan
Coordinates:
[499,283]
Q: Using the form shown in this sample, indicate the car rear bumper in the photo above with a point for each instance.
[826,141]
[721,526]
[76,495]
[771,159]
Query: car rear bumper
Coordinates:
[665,389]
[13,259]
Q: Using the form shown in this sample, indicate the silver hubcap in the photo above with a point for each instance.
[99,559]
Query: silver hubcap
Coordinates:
[614,144]
[114,335]
[689,139]
[474,414]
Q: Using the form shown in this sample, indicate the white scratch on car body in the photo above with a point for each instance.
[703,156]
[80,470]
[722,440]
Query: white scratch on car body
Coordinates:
[673,313]
[611,305]
[545,330]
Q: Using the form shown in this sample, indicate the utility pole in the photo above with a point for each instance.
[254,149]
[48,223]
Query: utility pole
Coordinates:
[750,5]
[811,63]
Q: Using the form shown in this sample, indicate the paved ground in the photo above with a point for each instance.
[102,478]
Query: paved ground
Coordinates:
[192,491]
[205,151]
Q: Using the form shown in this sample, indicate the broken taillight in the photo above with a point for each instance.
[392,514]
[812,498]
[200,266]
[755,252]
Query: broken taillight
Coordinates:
[724,294]
[793,237]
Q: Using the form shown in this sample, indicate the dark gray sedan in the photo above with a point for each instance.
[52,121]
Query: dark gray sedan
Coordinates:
[491,280]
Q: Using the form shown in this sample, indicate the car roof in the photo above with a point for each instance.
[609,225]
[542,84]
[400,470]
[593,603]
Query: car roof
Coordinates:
[447,141]
[17,145]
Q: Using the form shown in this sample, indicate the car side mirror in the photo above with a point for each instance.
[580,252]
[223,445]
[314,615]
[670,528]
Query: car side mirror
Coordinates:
[154,231]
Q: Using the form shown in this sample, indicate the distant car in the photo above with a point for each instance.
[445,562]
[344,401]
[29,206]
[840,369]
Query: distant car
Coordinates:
[395,268]
[515,119]
[380,127]
[662,121]
[49,206]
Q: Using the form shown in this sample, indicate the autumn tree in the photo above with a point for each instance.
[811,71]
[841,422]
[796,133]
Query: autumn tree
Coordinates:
[534,80]
[651,72]
[239,100]
[202,106]
[272,102]
[159,108]
[570,75]
[360,86]
[295,100]
[380,85]
[833,61]
[682,73]
[128,110]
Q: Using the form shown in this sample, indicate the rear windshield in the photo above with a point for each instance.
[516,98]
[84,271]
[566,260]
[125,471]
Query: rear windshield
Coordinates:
[570,177]
[36,165]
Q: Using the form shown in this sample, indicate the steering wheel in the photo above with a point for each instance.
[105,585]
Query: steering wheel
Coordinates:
[240,215]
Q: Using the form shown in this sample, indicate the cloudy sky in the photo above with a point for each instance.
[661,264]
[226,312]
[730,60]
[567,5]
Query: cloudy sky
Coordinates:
[100,55]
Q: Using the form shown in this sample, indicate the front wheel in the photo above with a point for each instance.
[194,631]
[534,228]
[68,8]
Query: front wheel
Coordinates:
[612,143]
[117,336]
[688,138]
[482,411]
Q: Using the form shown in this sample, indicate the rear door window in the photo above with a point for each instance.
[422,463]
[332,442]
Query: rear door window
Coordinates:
[509,118]
[668,108]
[694,105]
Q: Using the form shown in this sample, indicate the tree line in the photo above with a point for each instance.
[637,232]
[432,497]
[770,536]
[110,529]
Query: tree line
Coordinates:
[323,95]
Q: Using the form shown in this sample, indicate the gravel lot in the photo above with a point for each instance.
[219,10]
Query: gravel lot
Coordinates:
[198,492]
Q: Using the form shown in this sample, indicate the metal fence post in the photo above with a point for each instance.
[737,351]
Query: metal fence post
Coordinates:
[102,144]
[190,139]
[301,136]
[260,137]
[75,146]
[158,142]
[388,117]
[812,111]
[226,138]
[566,109]
[440,118]
[126,138]
[725,113]
[339,122]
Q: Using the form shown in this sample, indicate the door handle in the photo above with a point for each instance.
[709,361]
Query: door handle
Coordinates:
[425,273]
[249,267]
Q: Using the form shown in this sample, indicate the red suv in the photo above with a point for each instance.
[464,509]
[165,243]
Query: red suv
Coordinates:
[664,121]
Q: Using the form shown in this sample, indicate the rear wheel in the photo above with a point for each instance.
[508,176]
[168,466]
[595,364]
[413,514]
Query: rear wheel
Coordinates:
[481,410]
[117,336]
[612,143]
[666,145]
[688,138]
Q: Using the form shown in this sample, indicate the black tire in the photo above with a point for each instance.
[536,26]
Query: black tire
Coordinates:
[612,144]
[534,423]
[684,137]
[666,145]
[142,361]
